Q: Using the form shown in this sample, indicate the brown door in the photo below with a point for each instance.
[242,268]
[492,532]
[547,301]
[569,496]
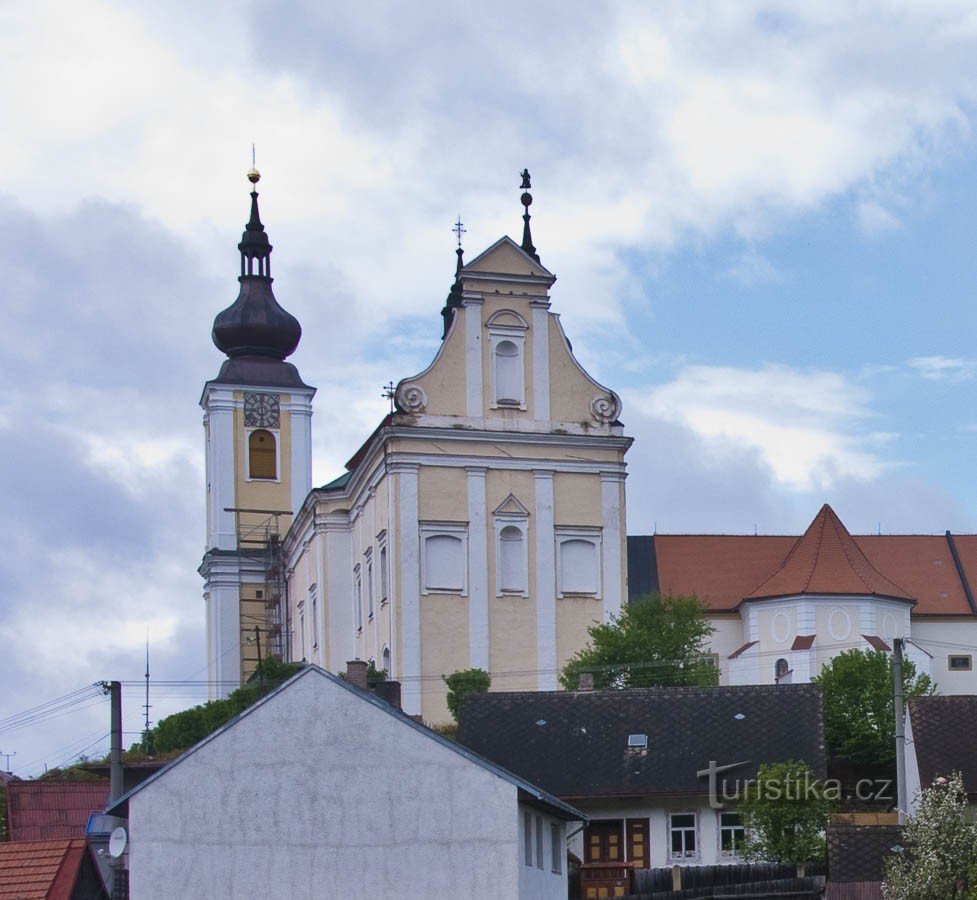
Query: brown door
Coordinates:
[604,842]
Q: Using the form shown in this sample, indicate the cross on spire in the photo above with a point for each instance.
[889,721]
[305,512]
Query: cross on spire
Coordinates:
[390,392]
[459,229]
[527,199]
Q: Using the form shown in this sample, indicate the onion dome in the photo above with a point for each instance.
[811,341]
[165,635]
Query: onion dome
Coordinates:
[255,325]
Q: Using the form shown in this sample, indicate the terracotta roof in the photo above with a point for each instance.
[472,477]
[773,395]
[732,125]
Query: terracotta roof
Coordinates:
[721,570]
[826,560]
[576,744]
[803,642]
[48,810]
[944,735]
[876,643]
[40,870]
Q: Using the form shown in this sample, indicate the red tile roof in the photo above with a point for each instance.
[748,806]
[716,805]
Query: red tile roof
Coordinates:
[876,643]
[40,870]
[826,560]
[49,810]
[721,570]
[803,642]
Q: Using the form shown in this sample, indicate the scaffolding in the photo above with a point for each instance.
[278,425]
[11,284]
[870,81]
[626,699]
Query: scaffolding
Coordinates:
[259,542]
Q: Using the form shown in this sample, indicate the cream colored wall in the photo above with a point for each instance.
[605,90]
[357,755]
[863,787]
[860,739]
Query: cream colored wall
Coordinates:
[444,649]
[512,651]
[444,380]
[505,448]
[726,639]
[574,615]
[577,499]
[443,494]
[571,390]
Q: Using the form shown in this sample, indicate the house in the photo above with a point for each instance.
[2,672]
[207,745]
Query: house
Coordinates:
[482,524]
[652,768]
[49,810]
[783,606]
[856,859]
[941,737]
[49,870]
[323,783]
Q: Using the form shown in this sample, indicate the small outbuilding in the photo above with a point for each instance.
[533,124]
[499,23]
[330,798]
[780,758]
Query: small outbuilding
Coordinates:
[324,789]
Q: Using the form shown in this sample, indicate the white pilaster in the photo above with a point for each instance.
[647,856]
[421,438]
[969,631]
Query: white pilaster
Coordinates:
[222,590]
[541,360]
[322,638]
[545,587]
[409,566]
[478,613]
[301,462]
[336,590]
[473,357]
[612,511]
[218,404]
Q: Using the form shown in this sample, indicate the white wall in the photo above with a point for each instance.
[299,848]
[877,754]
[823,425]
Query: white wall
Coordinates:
[537,883]
[318,792]
[954,638]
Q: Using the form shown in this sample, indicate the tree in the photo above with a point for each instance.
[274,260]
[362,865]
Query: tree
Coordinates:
[859,712]
[461,684]
[654,641]
[784,812]
[940,859]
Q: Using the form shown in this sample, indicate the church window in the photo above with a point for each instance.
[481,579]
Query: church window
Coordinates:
[386,660]
[357,598]
[781,671]
[444,560]
[262,455]
[508,374]
[302,629]
[578,567]
[383,575]
[369,582]
[512,560]
[314,615]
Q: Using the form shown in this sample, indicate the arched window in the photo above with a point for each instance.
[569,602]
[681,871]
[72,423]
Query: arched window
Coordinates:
[781,670]
[512,560]
[386,660]
[261,454]
[444,563]
[508,373]
[578,567]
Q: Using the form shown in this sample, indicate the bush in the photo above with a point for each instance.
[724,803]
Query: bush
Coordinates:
[461,684]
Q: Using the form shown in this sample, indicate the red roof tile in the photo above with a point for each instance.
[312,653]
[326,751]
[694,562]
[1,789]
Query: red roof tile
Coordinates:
[876,643]
[826,560]
[39,870]
[803,642]
[49,810]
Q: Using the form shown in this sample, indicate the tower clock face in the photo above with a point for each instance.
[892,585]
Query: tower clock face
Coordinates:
[261,410]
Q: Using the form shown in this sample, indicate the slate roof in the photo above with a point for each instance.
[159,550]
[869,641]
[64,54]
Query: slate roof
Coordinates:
[40,870]
[575,744]
[944,732]
[856,859]
[721,569]
[826,560]
[49,810]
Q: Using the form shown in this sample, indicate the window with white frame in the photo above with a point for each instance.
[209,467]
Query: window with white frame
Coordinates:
[302,629]
[369,582]
[314,614]
[357,598]
[732,835]
[384,577]
[578,562]
[386,660]
[509,373]
[512,560]
[444,560]
[682,835]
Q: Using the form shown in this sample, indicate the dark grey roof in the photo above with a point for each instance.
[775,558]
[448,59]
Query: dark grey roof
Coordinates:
[856,859]
[527,791]
[575,745]
[259,371]
[945,735]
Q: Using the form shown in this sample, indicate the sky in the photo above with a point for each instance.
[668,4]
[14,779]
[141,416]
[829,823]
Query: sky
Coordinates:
[761,216]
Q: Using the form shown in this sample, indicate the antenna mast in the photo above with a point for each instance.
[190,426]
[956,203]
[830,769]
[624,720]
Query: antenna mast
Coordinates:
[146,739]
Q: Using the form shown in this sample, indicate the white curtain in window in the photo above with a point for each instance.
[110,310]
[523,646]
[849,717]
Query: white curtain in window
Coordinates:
[508,372]
[444,562]
[578,567]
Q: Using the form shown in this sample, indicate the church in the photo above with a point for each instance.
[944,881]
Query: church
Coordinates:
[483,523]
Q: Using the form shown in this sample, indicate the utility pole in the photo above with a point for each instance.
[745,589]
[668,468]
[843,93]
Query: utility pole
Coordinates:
[8,755]
[115,751]
[901,801]
[147,737]
[261,671]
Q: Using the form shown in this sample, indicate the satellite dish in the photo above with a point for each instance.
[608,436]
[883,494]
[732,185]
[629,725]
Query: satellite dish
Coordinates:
[117,842]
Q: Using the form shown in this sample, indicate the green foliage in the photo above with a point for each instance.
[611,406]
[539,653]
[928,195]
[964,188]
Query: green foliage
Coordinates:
[655,641]
[184,729]
[461,684]
[859,711]
[75,772]
[785,811]
[940,861]
[375,675]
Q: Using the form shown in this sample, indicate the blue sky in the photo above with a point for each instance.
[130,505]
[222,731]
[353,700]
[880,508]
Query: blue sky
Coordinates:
[761,216]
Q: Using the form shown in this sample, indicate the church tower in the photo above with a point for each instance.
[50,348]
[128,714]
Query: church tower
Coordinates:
[257,423]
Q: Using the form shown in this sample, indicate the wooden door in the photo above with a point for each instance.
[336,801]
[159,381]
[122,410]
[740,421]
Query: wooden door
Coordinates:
[604,842]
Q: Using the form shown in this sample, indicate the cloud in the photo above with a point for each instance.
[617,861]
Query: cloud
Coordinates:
[944,368]
[807,426]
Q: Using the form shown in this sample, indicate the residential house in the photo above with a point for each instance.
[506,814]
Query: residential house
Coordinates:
[49,870]
[322,788]
[49,810]
[637,762]
[856,859]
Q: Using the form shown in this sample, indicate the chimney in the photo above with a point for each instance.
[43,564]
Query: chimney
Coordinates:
[356,673]
[586,682]
[389,691]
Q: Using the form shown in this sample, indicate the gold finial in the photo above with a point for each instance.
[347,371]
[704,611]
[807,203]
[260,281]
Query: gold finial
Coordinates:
[254,176]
